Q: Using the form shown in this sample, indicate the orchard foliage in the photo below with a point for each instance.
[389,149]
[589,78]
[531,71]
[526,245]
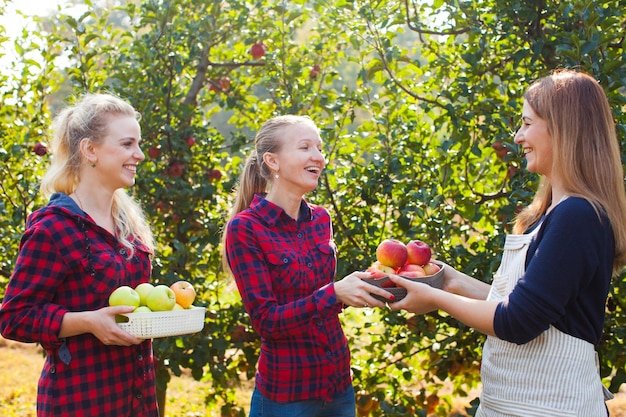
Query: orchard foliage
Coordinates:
[418,103]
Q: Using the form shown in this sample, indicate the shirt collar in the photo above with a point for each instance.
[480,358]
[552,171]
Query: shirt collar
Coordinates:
[272,213]
[63,200]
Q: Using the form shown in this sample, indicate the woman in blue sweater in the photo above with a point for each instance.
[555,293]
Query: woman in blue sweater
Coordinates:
[544,311]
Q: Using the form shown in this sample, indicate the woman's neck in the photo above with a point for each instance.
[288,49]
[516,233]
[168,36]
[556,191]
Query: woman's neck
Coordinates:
[99,206]
[289,202]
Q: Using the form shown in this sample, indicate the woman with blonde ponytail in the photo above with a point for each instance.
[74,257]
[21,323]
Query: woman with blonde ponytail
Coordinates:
[280,250]
[544,311]
[90,239]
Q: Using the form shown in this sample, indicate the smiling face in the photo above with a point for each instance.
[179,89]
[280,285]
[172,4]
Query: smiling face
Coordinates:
[118,152]
[535,141]
[300,161]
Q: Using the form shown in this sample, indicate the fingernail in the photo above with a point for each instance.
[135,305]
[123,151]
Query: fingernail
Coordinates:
[393,297]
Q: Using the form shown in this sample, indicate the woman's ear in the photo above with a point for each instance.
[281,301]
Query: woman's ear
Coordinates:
[269,159]
[87,150]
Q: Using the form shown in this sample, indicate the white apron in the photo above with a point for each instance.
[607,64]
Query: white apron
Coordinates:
[554,375]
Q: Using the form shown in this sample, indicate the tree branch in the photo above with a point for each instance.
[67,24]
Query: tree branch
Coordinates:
[428,31]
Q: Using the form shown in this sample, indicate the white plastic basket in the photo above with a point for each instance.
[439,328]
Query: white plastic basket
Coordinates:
[155,324]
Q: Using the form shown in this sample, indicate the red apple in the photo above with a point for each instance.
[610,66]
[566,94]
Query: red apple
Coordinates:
[431,268]
[154,152]
[175,169]
[379,270]
[315,70]
[224,83]
[391,252]
[510,171]
[418,252]
[258,50]
[185,293]
[411,271]
[40,149]
[215,174]
[388,284]
[501,150]
[191,141]
[219,85]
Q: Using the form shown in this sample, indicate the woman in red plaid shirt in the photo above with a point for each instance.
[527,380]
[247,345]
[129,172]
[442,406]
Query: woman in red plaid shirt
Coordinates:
[89,239]
[281,253]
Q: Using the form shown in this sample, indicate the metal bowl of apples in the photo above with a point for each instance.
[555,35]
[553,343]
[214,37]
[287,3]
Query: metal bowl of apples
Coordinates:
[411,261]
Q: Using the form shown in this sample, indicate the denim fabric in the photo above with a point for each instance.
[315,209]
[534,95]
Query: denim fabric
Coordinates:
[344,405]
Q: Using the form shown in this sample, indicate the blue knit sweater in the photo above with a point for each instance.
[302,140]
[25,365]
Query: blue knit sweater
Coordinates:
[568,275]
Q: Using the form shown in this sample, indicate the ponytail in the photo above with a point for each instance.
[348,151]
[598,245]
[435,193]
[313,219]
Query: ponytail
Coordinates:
[252,181]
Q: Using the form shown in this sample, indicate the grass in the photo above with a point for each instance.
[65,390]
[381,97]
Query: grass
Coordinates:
[21,364]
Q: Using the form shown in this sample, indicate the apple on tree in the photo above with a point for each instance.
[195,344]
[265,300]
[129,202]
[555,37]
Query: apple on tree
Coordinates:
[315,70]
[40,149]
[154,152]
[258,50]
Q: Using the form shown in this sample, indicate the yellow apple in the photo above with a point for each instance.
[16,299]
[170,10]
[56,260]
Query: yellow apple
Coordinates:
[143,290]
[124,296]
[161,298]
[185,293]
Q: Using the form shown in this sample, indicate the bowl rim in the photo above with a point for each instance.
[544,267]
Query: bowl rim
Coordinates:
[379,281]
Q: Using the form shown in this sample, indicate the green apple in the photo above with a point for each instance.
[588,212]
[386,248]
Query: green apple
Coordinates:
[124,296]
[142,309]
[161,298]
[143,290]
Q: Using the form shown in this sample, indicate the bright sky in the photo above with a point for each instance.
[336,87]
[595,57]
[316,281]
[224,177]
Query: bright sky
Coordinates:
[13,22]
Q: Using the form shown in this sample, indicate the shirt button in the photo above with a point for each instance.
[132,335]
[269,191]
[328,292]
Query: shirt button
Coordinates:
[310,265]
[285,260]
[53,370]
[299,235]
[138,395]
[329,353]
[140,357]
[123,251]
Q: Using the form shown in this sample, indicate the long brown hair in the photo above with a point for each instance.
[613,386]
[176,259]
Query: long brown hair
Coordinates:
[586,152]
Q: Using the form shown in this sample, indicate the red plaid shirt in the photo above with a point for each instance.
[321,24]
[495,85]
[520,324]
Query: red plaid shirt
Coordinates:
[284,270]
[81,376]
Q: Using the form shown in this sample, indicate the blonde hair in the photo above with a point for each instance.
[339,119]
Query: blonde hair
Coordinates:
[89,117]
[586,151]
[256,176]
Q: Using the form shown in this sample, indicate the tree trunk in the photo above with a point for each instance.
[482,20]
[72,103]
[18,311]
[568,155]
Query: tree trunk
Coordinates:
[160,394]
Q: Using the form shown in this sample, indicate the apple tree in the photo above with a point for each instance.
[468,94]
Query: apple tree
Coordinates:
[418,103]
